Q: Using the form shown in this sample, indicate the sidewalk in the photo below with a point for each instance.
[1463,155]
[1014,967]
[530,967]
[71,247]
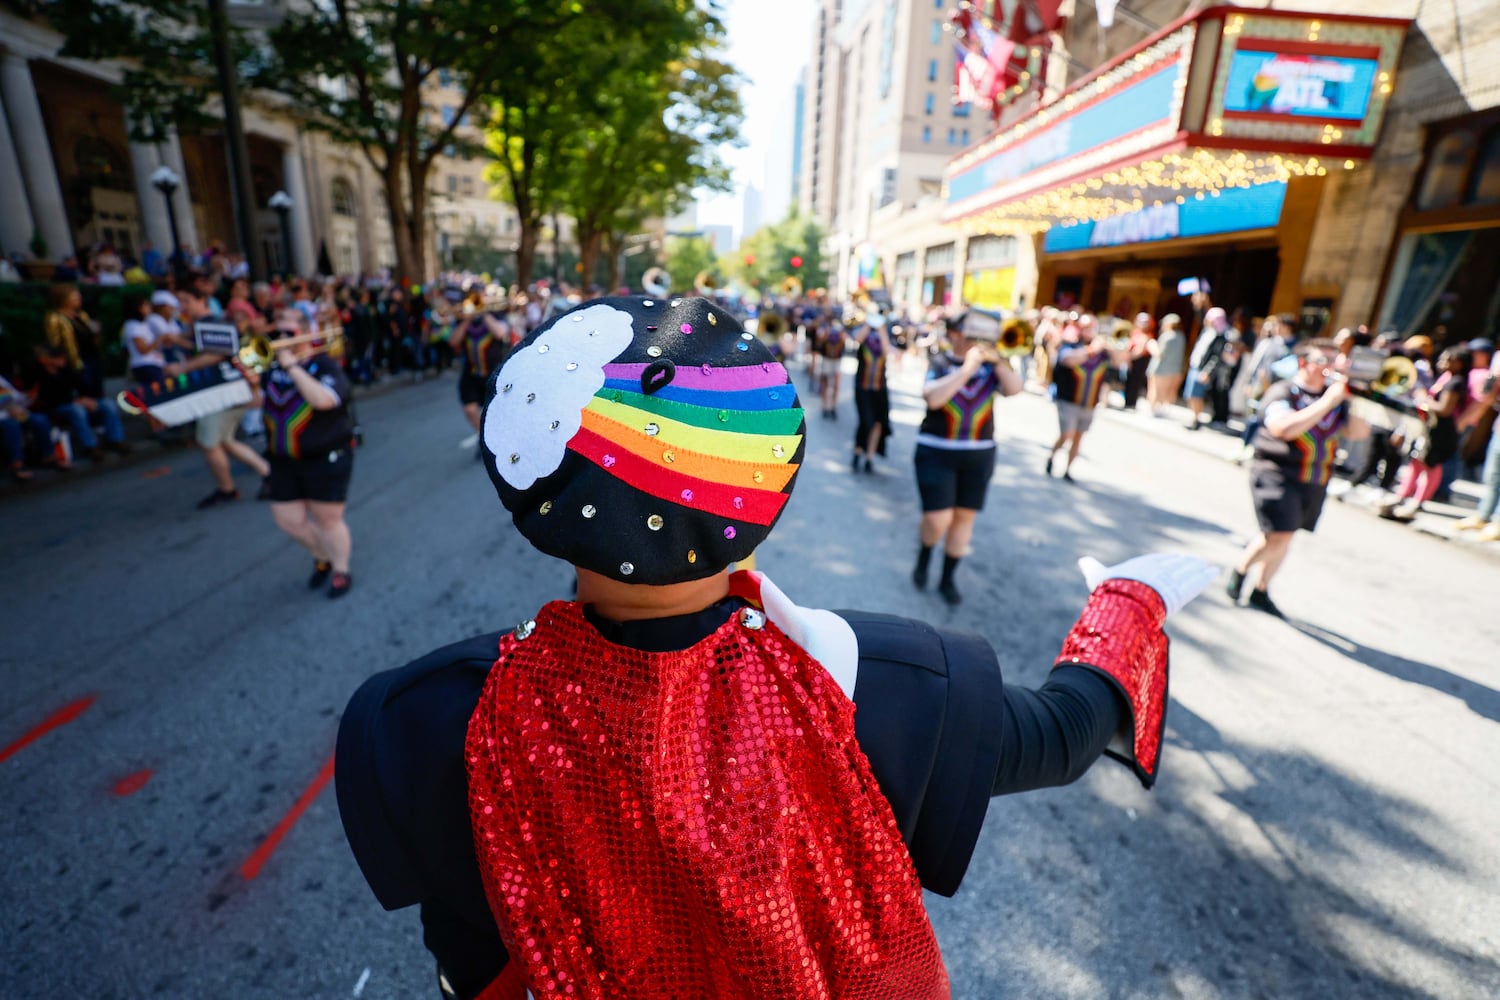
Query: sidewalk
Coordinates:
[1436,519]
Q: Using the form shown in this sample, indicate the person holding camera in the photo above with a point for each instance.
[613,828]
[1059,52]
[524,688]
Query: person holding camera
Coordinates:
[956,442]
[310,444]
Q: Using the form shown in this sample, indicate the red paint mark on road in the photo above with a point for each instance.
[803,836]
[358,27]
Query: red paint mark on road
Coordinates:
[157,473]
[253,864]
[132,783]
[56,720]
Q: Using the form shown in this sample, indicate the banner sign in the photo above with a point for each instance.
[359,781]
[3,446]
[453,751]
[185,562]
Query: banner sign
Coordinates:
[216,338]
[1141,103]
[1302,84]
[1234,210]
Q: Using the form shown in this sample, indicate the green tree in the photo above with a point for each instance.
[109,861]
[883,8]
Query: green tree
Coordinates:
[765,257]
[550,91]
[652,137]
[689,256]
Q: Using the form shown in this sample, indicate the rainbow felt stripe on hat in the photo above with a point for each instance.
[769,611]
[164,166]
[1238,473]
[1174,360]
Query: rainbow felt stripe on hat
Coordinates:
[721,440]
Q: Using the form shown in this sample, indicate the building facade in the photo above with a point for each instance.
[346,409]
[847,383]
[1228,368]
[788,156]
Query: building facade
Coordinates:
[882,124]
[1297,157]
[71,175]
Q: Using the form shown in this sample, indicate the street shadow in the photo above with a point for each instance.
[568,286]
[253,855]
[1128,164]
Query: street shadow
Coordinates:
[1482,700]
[1273,889]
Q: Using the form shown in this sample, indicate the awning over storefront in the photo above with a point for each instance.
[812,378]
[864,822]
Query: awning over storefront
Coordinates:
[1224,100]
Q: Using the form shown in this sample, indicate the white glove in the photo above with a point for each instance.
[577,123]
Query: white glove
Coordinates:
[1176,577]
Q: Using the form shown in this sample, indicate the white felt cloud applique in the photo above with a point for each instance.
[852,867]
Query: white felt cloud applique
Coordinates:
[542,389]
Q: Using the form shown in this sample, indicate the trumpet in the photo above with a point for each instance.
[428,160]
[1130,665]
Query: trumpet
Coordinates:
[706,282]
[259,351]
[791,287]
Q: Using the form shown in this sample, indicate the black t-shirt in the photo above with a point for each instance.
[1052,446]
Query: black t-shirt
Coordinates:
[1308,458]
[967,421]
[293,428]
[943,734]
[1081,385]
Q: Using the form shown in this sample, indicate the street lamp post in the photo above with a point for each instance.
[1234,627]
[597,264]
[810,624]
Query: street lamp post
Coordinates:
[281,203]
[165,180]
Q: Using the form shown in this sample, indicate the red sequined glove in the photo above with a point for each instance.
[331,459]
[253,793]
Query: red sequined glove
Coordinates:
[1120,633]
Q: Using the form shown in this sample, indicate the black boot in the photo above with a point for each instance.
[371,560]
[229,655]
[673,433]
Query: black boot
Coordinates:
[1261,601]
[1235,585]
[919,575]
[946,587]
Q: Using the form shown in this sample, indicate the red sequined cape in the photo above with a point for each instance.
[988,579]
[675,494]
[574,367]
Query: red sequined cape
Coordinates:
[693,824]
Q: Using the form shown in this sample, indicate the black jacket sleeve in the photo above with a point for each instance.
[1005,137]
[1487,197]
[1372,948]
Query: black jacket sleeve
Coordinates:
[404,800]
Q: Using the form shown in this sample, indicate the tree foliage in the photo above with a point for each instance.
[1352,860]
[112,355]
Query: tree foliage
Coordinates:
[687,257]
[652,136]
[765,256]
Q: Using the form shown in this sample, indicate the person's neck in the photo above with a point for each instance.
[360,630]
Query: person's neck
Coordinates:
[624,602]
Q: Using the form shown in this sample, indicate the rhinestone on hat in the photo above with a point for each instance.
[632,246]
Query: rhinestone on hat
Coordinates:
[589,510]
[626,568]
[543,348]
[524,630]
[556,424]
[742,346]
[514,458]
[578,318]
[545,508]
[507,387]
[648,302]
[531,397]
[572,366]
[669,457]
[676,303]
[655,522]
[654,351]
[652,430]
[747,335]
[713,320]
[752,619]
[777,450]
[692,556]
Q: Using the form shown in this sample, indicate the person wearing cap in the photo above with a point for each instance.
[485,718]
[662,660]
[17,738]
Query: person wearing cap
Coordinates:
[663,789]
[1078,384]
[168,333]
[872,399]
[956,441]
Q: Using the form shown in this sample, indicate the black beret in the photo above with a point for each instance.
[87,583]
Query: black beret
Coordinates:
[652,440]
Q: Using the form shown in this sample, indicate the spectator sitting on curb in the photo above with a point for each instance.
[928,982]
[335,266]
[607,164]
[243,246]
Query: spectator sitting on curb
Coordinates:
[14,418]
[62,396]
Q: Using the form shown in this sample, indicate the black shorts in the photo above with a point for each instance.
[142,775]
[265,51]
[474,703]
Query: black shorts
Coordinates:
[950,477]
[471,389]
[324,479]
[1282,503]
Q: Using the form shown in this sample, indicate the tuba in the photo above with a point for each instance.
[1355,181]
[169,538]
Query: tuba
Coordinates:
[791,287]
[772,324]
[1017,338]
[657,281]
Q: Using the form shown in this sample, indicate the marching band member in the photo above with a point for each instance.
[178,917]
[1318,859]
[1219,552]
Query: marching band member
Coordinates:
[663,789]
[871,397]
[309,440]
[483,340]
[1082,363]
[956,442]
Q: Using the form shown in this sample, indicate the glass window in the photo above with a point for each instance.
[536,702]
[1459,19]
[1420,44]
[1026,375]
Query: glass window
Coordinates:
[1442,184]
[1484,184]
[926,133]
[453,184]
[937,32]
[343,199]
[961,110]
[952,136]
[929,104]
[932,71]
[966,137]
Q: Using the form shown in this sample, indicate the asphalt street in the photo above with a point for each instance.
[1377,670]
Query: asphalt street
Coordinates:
[1326,823]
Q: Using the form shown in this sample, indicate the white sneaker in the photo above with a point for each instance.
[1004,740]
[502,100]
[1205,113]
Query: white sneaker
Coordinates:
[1490,532]
[1471,523]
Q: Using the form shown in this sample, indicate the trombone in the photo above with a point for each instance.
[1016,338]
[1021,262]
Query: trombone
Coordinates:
[259,352]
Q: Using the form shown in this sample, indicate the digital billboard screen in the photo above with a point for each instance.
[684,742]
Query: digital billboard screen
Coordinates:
[1299,84]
